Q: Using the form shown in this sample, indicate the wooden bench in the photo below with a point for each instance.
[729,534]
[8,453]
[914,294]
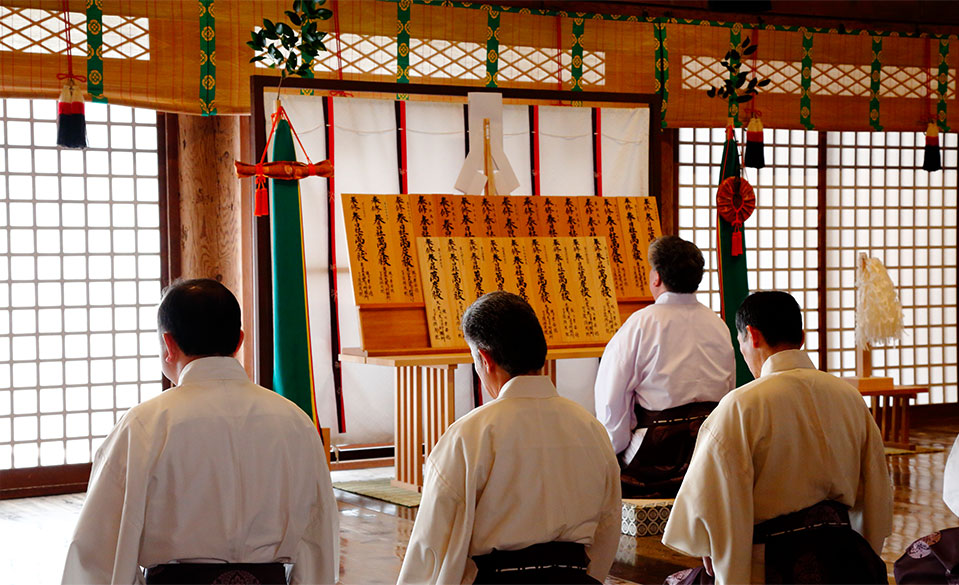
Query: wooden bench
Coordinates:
[890,407]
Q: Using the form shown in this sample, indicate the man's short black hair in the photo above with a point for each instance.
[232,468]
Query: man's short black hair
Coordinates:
[505,326]
[202,315]
[776,315]
[678,262]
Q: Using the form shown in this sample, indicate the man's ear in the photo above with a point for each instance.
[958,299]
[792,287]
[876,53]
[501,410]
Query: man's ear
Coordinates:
[239,344]
[172,353]
[754,336]
[486,360]
[654,278]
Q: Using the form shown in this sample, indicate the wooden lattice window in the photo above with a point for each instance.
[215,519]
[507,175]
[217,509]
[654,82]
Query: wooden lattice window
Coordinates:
[79,279]
[440,59]
[30,30]
[780,237]
[700,73]
[880,203]
[877,201]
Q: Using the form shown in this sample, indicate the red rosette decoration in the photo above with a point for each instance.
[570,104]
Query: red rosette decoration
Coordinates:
[736,201]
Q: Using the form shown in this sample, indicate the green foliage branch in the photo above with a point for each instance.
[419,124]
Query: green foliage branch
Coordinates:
[736,80]
[291,47]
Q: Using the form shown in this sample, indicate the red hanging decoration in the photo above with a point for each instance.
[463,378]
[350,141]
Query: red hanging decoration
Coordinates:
[735,202]
[755,157]
[71,115]
[284,170]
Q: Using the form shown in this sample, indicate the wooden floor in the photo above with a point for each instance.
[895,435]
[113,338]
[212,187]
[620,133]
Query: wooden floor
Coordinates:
[34,532]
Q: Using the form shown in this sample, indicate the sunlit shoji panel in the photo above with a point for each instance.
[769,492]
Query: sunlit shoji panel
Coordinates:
[782,233]
[880,202]
[79,279]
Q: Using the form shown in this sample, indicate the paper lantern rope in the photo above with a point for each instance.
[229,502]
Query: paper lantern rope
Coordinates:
[735,202]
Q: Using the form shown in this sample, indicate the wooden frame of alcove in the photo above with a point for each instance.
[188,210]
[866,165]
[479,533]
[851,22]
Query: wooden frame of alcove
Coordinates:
[263,293]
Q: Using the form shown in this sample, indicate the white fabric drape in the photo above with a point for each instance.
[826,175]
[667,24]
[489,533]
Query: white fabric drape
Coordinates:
[435,146]
[625,152]
[516,146]
[566,151]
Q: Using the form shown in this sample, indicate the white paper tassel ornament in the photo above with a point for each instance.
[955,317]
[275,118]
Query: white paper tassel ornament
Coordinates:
[878,311]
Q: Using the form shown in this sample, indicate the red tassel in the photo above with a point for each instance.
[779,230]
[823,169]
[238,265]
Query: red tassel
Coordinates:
[932,161]
[261,201]
[737,241]
[71,119]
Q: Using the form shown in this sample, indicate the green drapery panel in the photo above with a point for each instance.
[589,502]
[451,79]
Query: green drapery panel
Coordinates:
[207,58]
[95,50]
[875,83]
[292,363]
[943,86]
[805,104]
[733,282]
[492,46]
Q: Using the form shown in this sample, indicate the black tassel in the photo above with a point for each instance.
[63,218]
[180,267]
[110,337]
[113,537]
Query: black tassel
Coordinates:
[71,118]
[755,157]
[932,161]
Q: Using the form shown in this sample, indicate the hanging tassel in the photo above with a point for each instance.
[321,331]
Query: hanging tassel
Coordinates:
[261,201]
[737,240]
[755,157]
[71,118]
[932,160]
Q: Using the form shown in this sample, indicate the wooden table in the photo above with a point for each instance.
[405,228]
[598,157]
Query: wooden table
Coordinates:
[419,423]
[890,407]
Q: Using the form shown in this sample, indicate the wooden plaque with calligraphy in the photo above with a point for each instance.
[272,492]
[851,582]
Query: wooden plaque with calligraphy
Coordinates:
[417,262]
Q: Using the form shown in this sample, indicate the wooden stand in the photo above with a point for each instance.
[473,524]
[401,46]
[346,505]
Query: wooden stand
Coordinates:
[890,407]
[424,398]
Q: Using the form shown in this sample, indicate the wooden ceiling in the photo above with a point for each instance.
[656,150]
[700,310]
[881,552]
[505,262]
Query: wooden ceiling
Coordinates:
[933,16]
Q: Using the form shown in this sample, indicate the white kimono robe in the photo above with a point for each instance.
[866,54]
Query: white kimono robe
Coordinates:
[215,469]
[527,468]
[671,353]
[950,479]
[792,438]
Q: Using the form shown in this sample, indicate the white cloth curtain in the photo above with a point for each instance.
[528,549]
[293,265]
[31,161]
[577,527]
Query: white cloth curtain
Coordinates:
[625,152]
[516,146]
[566,151]
[435,146]
[366,161]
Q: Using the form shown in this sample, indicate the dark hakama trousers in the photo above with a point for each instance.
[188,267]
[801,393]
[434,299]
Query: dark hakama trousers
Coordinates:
[217,573]
[550,562]
[813,545]
[658,468]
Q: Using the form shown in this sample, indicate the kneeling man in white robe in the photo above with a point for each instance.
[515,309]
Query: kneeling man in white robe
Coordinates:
[216,480]
[524,489]
[788,482]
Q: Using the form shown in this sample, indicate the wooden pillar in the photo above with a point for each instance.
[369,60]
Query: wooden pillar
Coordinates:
[212,209]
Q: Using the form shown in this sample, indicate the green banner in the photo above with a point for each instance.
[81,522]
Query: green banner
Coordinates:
[403,41]
[805,104]
[943,86]
[733,281]
[661,59]
[576,71]
[95,50]
[207,58]
[492,46]
[292,363]
[875,83]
